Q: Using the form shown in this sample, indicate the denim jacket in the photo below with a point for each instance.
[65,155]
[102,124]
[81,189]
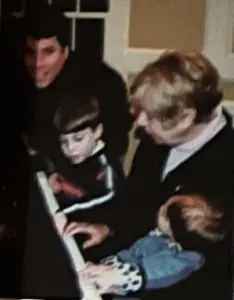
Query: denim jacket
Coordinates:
[154,262]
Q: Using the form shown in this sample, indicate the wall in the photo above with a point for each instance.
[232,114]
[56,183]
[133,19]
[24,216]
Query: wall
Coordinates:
[160,24]
[228,89]
[167,24]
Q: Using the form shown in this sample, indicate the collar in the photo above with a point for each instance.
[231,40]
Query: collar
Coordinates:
[99,146]
[171,244]
[181,153]
[208,133]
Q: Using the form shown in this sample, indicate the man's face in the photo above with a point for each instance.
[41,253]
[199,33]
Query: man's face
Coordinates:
[44,59]
[79,145]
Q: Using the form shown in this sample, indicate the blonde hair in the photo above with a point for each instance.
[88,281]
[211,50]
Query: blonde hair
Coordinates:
[177,80]
[198,216]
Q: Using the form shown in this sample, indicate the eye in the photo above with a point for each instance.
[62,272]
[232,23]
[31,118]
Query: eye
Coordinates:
[49,50]
[78,138]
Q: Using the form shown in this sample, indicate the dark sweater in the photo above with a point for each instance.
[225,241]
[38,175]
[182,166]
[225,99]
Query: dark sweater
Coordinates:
[88,188]
[210,172]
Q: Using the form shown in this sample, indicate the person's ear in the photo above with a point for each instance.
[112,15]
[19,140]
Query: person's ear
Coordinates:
[188,118]
[66,52]
[98,131]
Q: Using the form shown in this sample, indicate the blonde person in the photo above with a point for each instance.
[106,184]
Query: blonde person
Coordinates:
[187,146]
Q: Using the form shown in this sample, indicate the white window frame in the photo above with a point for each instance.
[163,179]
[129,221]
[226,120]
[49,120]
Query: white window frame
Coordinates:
[219,36]
[115,25]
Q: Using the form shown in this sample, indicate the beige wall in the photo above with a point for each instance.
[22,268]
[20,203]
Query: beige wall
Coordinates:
[163,24]
[228,89]
[167,24]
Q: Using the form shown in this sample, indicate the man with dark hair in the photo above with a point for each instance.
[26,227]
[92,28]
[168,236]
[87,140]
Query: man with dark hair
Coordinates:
[45,45]
[51,66]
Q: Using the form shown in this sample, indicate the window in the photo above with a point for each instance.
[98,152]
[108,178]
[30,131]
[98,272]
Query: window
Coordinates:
[89,39]
[94,6]
[109,18]
[67,5]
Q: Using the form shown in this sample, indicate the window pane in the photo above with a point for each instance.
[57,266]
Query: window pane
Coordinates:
[65,5]
[89,39]
[94,5]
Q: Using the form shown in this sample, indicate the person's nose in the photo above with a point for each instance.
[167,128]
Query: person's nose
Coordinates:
[38,60]
[142,120]
[69,146]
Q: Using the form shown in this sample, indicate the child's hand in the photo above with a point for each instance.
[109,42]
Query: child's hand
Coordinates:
[97,232]
[54,183]
[103,277]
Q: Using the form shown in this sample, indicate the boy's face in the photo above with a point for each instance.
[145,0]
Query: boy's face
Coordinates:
[77,146]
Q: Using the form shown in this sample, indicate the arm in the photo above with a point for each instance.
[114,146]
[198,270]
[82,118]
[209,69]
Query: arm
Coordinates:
[163,270]
[102,206]
[154,272]
[160,267]
[103,192]
[135,202]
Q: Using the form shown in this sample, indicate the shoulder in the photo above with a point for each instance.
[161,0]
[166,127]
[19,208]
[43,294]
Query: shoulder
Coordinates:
[221,148]
[115,164]
[217,153]
[109,74]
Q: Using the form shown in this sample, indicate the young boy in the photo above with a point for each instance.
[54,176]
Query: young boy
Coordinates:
[84,178]
[187,227]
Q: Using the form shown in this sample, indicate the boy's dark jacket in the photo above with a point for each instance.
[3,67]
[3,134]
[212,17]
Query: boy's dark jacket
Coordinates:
[89,189]
[210,171]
